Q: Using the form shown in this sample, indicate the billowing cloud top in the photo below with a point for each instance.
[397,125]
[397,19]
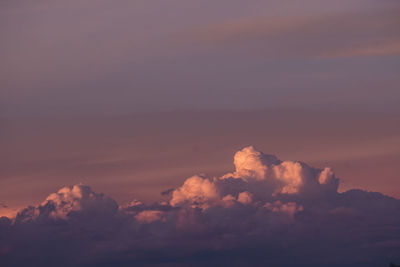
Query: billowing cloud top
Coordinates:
[267,212]
[264,175]
[69,201]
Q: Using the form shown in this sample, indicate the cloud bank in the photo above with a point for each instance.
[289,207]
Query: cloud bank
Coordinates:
[267,212]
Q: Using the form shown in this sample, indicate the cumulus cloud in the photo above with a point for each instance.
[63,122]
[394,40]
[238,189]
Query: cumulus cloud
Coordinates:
[197,191]
[290,208]
[267,212]
[70,201]
[245,197]
[78,198]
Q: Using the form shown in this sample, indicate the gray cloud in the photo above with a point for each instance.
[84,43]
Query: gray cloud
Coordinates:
[266,212]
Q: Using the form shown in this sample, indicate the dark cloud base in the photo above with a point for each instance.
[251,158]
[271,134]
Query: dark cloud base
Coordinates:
[266,213]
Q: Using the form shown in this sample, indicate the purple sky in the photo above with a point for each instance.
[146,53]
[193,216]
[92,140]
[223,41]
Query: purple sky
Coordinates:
[84,64]
[139,156]
[101,57]
[127,133]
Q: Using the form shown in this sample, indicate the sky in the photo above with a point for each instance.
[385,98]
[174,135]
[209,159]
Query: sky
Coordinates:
[139,156]
[98,57]
[114,106]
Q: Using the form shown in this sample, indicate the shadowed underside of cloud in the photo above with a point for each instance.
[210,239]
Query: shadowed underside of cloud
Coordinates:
[267,212]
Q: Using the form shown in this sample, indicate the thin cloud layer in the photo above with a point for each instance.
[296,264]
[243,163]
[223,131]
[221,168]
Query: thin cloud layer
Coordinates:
[258,54]
[337,35]
[267,212]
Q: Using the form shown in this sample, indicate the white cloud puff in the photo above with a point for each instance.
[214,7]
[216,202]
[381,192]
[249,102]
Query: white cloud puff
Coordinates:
[252,164]
[264,211]
[77,199]
[263,176]
[196,191]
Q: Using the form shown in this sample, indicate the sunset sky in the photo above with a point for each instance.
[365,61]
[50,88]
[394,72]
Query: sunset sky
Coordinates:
[132,98]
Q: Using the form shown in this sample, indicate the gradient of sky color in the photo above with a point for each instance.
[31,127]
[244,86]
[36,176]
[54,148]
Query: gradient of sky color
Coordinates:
[101,57]
[139,156]
[84,85]
[199,133]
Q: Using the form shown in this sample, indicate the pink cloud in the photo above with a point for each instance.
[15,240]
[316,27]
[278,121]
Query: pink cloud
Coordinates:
[260,213]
